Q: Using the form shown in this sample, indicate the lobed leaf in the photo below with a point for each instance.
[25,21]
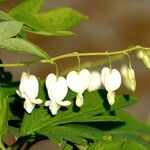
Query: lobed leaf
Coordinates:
[116,144]
[53,22]
[92,108]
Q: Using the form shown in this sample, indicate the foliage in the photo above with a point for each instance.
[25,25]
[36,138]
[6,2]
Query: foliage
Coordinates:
[96,125]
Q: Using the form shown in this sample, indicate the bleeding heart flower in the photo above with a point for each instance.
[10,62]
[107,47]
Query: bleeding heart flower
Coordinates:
[78,82]
[128,77]
[28,89]
[111,80]
[57,91]
[95,81]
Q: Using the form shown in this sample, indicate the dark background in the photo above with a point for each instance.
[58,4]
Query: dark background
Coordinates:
[112,25]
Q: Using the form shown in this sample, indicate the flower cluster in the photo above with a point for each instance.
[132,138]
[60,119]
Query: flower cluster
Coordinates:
[78,82]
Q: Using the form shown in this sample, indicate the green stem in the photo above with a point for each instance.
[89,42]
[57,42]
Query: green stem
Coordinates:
[74,54]
[91,64]
[129,59]
[2,147]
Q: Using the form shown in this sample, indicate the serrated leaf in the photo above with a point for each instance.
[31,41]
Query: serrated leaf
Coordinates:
[63,133]
[9,29]
[21,46]
[116,144]
[92,107]
[132,129]
[53,22]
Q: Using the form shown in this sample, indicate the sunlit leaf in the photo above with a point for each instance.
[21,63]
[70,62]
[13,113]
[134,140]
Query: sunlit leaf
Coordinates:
[22,46]
[52,22]
[9,29]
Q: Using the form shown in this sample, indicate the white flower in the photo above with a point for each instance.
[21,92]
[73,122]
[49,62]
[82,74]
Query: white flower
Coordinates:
[128,77]
[57,91]
[111,80]
[78,82]
[144,56]
[28,89]
[95,81]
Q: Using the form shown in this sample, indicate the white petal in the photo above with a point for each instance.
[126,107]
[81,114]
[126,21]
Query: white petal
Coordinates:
[54,107]
[85,77]
[24,77]
[63,103]
[31,87]
[104,72]
[28,106]
[79,100]
[112,80]
[36,101]
[74,81]
[50,80]
[111,97]
[19,93]
[47,103]
[23,80]
[95,81]
[59,89]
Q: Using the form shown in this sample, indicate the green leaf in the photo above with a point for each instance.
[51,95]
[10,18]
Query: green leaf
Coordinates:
[116,144]
[5,17]
[132,129]
[56,33]
[67,147]
[28,6]
[60,133]
[22,46]
[53,22]
[92,107]
[9,29]
[80,132]
[4,111]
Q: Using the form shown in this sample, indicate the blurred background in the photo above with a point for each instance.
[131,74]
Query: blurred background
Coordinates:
[112,25]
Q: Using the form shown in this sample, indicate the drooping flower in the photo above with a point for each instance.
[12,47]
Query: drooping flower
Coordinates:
[28,89]
[144,57]
[128,77]
[111,80]
[95,81]
[78,82]
[57,90]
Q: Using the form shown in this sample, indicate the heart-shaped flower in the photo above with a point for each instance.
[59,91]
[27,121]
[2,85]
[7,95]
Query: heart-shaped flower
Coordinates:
[57,90]
[95,81]
[28,89]
[78,82]
[128,77]
[111,80]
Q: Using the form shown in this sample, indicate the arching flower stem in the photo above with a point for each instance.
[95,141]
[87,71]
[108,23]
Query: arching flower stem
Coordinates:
[74,54]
